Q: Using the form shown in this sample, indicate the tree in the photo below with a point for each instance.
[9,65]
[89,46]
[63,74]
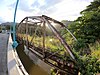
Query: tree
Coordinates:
[66,22]
[7,27]
[87,26]
[0,29]
[86,29]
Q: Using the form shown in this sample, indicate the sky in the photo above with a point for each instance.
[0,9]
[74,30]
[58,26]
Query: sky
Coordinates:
[57,9]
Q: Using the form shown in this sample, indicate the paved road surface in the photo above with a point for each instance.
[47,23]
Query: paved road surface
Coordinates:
[3,54]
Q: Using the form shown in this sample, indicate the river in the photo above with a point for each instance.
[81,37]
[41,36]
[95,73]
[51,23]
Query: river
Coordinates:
[29,65]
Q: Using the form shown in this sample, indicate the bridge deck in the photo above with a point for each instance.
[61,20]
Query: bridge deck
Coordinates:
[3,53]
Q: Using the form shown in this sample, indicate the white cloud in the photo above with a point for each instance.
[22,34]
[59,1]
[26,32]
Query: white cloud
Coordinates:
[57,9]
[30,2]
[6,14]
[69,9]
[22,14]
[41,2]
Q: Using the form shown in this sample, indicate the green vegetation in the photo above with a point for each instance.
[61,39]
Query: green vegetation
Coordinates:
[0,29]
[52,44]
[86,29]
[87,26]
[88,65]
[7,27]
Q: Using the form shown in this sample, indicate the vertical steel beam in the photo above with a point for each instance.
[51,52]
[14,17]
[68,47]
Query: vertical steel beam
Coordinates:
[43,29]
[26,32]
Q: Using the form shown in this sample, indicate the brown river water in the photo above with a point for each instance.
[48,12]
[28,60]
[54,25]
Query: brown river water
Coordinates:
[29,65]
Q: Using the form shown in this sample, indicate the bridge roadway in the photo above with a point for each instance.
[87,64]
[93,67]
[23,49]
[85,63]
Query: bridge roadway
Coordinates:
[3,54]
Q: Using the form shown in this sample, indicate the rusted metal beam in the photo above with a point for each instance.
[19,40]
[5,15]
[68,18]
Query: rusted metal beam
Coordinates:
[55,21]
[44,35]
[36,17]
[60,38]
[26,31]
[21,22]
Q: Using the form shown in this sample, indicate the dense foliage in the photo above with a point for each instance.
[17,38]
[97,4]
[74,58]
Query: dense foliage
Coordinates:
[87,26]
[86,29]
[88,65]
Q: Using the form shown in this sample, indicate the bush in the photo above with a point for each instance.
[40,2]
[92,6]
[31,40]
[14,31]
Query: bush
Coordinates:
[81,47]
[88,65]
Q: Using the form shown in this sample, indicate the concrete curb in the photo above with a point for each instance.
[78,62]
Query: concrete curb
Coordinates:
[15,67]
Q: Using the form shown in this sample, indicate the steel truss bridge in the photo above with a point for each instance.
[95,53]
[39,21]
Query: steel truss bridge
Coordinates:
[42,35]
